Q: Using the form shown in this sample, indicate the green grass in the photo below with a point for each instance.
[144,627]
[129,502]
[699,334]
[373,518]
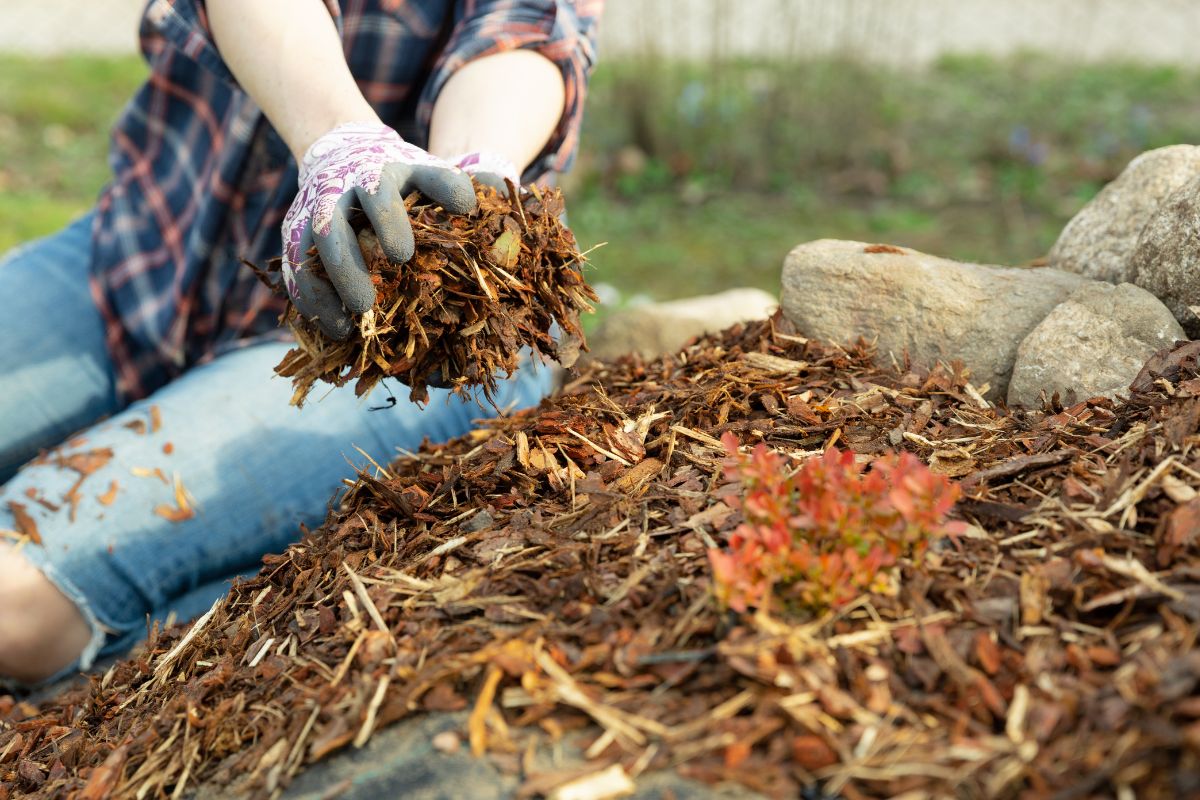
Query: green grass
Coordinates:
[701,177]
[660,247]
[975,159]
[55,115]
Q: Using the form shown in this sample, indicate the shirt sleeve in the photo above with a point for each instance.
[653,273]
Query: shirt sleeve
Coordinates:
[563,31]
[184,26]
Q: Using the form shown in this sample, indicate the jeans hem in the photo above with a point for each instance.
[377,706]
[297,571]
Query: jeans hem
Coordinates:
[100,632]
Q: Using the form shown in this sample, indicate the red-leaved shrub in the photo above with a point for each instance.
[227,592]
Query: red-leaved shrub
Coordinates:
[820,536]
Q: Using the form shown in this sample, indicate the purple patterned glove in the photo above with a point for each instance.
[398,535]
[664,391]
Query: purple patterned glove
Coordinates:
[363,166]
[489,168]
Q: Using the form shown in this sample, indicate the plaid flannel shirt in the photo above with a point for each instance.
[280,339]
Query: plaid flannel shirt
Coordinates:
[201,180]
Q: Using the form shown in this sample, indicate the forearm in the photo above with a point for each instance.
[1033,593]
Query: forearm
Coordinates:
[509,104]
[288,57]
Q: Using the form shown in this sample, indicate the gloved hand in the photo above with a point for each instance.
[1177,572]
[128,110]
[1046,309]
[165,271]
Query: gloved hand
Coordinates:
[367,166]
[488,168]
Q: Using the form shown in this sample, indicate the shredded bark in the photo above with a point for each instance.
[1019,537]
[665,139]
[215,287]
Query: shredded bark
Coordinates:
[549,572]
[478,289]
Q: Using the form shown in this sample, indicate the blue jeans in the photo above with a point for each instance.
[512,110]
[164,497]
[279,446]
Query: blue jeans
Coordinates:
[254,469]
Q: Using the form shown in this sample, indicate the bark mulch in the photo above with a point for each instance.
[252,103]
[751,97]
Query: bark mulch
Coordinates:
[478,289]
[548,574]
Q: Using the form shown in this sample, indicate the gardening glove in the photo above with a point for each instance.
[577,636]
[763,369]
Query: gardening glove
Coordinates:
[367,166]
[488,168]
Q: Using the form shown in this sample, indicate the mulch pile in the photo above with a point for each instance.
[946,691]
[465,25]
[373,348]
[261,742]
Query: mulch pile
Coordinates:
[478,288]
[548,572]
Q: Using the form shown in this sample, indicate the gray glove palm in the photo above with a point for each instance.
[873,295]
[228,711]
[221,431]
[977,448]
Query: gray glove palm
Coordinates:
[366,166]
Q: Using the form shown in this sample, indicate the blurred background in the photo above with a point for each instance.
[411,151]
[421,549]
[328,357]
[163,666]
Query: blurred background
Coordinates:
[720,133]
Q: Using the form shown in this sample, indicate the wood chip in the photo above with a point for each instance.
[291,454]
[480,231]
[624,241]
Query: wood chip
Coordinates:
[26,525]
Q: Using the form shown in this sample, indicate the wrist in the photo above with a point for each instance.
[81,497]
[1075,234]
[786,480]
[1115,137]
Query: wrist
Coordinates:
[478,161]
[303,135]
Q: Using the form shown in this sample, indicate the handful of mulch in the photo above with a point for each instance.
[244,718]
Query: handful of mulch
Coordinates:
[478,289]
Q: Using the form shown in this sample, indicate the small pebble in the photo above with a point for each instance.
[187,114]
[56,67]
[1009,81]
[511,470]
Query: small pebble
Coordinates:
[478,522]
[876,673]
[447,742]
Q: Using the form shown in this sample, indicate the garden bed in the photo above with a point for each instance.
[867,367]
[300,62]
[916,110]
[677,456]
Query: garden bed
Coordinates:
[549,574]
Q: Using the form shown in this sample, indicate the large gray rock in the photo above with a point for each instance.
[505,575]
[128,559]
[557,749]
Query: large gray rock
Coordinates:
[1093,343]
[932,308]
[658,328]
[1167,258]
[1100,239]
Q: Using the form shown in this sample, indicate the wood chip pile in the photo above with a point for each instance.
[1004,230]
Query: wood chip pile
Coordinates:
[548,572]
[478,289]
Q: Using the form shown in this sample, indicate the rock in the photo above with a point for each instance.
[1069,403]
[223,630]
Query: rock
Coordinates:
[1093,343]
[411,759]
[1100,239]
[630,160]
[446,742]
[658,328]
[483,519]
[1166,261]
[932,308]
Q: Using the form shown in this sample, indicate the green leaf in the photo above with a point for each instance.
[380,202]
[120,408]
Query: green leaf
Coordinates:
[506,249]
